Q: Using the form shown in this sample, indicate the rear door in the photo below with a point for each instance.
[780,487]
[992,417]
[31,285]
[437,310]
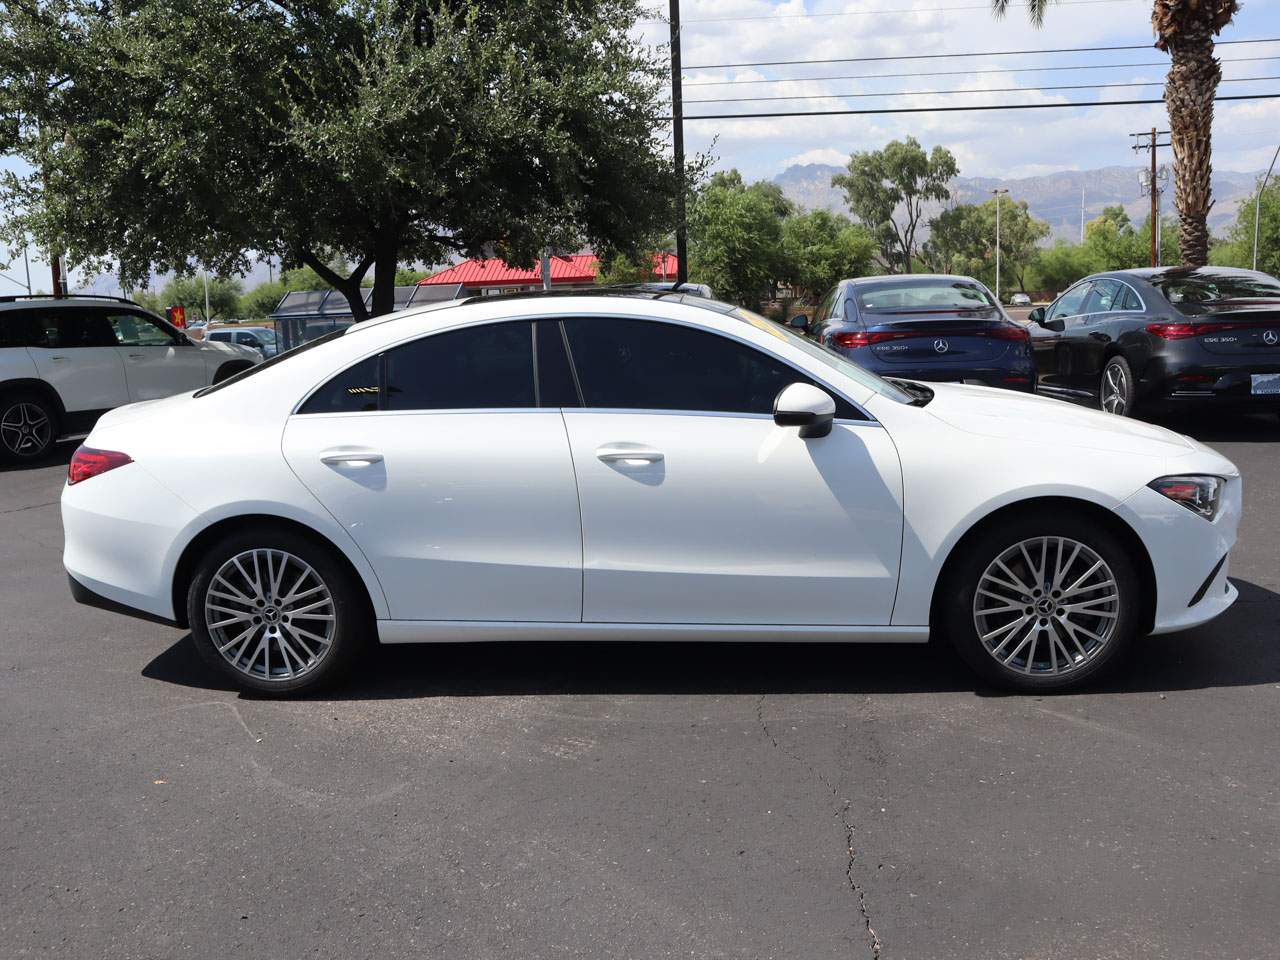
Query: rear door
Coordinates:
[79,359]
[158,361]
[454,482]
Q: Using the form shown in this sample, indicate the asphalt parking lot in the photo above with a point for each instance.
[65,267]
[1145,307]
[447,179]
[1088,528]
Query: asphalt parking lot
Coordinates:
[570,800]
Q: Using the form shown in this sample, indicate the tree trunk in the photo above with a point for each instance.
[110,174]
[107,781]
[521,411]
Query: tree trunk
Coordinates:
[349,287]
[384,276]
[1189,92]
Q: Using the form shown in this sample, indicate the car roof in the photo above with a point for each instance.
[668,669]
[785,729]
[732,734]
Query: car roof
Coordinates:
[1170,273]
[24,301]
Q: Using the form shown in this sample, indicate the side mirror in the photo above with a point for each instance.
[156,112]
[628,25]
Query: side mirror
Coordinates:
[807,407]
[1036,315]
[798,322]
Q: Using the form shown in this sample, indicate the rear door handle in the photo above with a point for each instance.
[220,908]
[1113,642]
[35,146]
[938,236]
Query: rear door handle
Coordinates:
[357,458]
[628,453]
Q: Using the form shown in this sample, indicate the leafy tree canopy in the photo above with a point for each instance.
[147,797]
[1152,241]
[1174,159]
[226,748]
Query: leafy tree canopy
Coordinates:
[819,249]
[886,189]
[170,134]
[735,238]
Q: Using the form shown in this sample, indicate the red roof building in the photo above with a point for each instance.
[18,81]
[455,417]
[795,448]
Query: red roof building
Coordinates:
[577,270]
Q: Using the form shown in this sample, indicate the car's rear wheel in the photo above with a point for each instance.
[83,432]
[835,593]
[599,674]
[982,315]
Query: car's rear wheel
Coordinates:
[1038,604]
[275,611]
[1115,392]
[28,426]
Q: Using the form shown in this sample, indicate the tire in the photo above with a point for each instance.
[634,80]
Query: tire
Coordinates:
[29,426]
[1116,389]
[1017,651]
[231,599]
[229,370]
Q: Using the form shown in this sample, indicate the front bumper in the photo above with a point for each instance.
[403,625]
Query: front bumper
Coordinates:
[1189,555]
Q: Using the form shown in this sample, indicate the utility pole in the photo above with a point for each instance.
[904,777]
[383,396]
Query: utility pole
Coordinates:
[1257,209]
[1082,213]
[26,262]
[205,275]
[999,192]
[677,146]
[1151,142]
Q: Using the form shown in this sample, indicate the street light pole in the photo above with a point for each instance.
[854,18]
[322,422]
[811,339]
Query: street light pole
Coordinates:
[998,193]
[677,147]
[1257,207]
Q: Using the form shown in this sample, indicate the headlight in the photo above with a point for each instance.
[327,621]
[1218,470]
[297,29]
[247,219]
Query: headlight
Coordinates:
[1198,494]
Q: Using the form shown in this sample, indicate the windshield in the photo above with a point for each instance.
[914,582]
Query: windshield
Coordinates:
[1194,293]
[917,295]
[828,357]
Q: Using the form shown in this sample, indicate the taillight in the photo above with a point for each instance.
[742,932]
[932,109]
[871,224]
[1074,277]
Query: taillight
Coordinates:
[1011,331]
[850,340]
[1173,331]
[89,462]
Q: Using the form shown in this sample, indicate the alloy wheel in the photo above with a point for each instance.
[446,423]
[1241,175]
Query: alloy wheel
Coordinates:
[1115,389]
[25,429]
[1046,606]
[270,615]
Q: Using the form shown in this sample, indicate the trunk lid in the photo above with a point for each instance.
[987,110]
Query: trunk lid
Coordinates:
[1243,331]
[961,337]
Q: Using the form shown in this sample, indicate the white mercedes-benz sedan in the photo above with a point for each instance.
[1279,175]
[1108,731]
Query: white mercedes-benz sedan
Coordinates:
[637,466]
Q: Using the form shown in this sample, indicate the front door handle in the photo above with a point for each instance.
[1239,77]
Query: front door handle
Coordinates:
[356,458]
[628,453]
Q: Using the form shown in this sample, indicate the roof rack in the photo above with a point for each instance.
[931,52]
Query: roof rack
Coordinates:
[15,297]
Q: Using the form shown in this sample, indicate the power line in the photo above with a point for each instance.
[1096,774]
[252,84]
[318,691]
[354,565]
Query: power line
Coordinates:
[945,93]
[982,107]
[869,13]
[963,73]
[951,56]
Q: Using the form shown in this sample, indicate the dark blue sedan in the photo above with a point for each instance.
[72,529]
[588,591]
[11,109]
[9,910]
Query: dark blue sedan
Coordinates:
[926,327]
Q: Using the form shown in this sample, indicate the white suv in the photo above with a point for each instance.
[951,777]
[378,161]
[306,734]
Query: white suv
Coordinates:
[64,362]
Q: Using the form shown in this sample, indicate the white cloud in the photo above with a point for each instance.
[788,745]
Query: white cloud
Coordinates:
[820,155]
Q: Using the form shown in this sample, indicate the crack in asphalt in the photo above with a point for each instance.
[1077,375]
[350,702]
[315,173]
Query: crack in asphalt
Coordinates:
[846,822]
[33,506]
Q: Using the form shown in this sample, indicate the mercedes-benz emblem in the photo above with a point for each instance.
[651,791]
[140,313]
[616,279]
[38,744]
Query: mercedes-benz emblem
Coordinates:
[1270,337]
[941,345]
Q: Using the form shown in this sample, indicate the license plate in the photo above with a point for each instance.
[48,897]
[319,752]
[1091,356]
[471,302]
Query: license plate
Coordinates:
[1266,384]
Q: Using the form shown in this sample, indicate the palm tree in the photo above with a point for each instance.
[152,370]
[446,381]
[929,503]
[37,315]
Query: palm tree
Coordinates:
[1185,30]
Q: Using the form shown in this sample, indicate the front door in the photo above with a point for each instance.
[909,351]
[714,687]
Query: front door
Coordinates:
[1053,349]
[457,487]
[158,362]
[697,508]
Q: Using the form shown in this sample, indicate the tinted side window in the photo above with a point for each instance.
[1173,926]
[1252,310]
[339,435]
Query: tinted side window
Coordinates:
[647,365]
[354,390]
[555,377]
[1104,296]
[486,366]
[219,335]
[1128,300]
[136,330]
[1071,302]
[21,328]
[83,328]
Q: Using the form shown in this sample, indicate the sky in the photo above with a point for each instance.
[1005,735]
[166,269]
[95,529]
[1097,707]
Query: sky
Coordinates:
[995,144]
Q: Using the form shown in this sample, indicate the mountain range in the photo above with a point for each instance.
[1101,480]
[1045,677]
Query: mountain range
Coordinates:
[1052,197]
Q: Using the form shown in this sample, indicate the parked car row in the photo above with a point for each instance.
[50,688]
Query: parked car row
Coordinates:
[65,361]
[644,465]
[1122,341]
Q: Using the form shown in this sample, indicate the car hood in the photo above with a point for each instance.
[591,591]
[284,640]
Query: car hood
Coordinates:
[228,349]
[1004,414]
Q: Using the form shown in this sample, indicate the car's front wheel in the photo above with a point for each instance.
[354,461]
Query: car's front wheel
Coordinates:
[276,611]
[28,426]
[1036,604]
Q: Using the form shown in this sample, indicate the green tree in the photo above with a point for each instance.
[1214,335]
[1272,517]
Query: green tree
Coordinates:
[258,303]
[162,134]
[1237,250]
[886,190]
[963,240]
[735,236]
[821,248]
[224,297]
